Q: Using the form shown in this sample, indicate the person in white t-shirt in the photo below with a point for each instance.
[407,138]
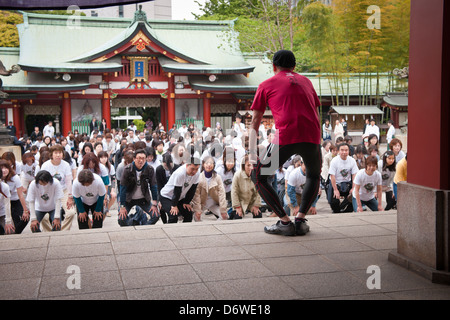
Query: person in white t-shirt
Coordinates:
[373,129]
[49,130]
[387,168]
[391,132]
[44,196]
[89,193]
[19,214]
[367,184]
[295,184]
[239,127]
[92,162]
[28,170]
[342,172]
[5,210]
[177,194]
[61,171]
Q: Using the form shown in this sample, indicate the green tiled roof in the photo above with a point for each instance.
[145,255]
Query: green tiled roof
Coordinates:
[236,82]
[357,110]
[62,44]
[396,99]
[56,44]
[36,81]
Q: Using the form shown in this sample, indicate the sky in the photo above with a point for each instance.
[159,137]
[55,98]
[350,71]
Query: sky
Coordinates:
[181,9]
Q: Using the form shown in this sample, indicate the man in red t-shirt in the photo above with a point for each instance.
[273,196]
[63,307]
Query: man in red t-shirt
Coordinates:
[293,101]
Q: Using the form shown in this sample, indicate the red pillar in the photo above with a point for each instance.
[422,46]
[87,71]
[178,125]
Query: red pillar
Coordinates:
[207,110]
[171,104]
[17,120]
[66,114]
[429,97]
[423,233]
[163,110]
[106,108]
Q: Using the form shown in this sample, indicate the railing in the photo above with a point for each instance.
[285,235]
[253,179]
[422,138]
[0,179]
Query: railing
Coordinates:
[197,123]
[81,126]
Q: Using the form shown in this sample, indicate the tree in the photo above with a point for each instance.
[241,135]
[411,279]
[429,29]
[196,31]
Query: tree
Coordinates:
[261,25]
[9,36]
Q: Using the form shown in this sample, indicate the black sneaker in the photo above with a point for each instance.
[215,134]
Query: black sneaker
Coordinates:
[282,229]
[301,228]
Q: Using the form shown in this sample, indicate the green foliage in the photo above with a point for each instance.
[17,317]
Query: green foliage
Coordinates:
[140,124]
[9,36]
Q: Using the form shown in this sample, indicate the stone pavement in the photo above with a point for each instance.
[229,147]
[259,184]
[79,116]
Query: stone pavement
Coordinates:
[224,260]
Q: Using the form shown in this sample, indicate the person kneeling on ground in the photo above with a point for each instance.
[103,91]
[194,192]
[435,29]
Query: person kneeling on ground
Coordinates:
[367,183]
[244,196]
[45,195]
[137,180]
[210,193]
[342,173]
[89,193]
[296,183]
[177,194]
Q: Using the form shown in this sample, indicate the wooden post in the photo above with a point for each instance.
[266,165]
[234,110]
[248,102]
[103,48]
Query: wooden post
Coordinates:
[66,114]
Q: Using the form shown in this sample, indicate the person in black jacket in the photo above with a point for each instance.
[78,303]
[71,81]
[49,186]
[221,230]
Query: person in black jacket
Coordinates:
[94,125]
[138,188]
[163,173]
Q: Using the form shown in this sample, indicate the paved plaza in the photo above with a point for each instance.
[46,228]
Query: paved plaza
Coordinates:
[213,260]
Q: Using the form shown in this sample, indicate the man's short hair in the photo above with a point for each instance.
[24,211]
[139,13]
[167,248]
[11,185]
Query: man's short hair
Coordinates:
[138,151]
[284,59]
[85,176]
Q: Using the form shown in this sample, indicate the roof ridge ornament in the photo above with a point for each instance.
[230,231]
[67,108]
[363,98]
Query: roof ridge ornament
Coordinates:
[140,16]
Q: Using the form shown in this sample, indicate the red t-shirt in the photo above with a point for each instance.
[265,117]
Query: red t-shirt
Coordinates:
[293,101]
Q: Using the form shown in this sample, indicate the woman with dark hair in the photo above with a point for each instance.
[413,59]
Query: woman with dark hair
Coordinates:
[61,171]
[44,196]
[226,171]
[244,195]
[73,166]
[29,165]
[103,126]
[19,211]
[111,188]
[163,173]
[91,162]
[47,141]
[386,166]
[87,148]
[360,156]
[5,212]
[177,194]
[44,156]
[367,183]
[210,193]
[152,159]
[373,140]
[396,146]
[15,165]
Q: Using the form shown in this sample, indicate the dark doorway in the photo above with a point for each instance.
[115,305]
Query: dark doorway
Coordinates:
[40,121]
